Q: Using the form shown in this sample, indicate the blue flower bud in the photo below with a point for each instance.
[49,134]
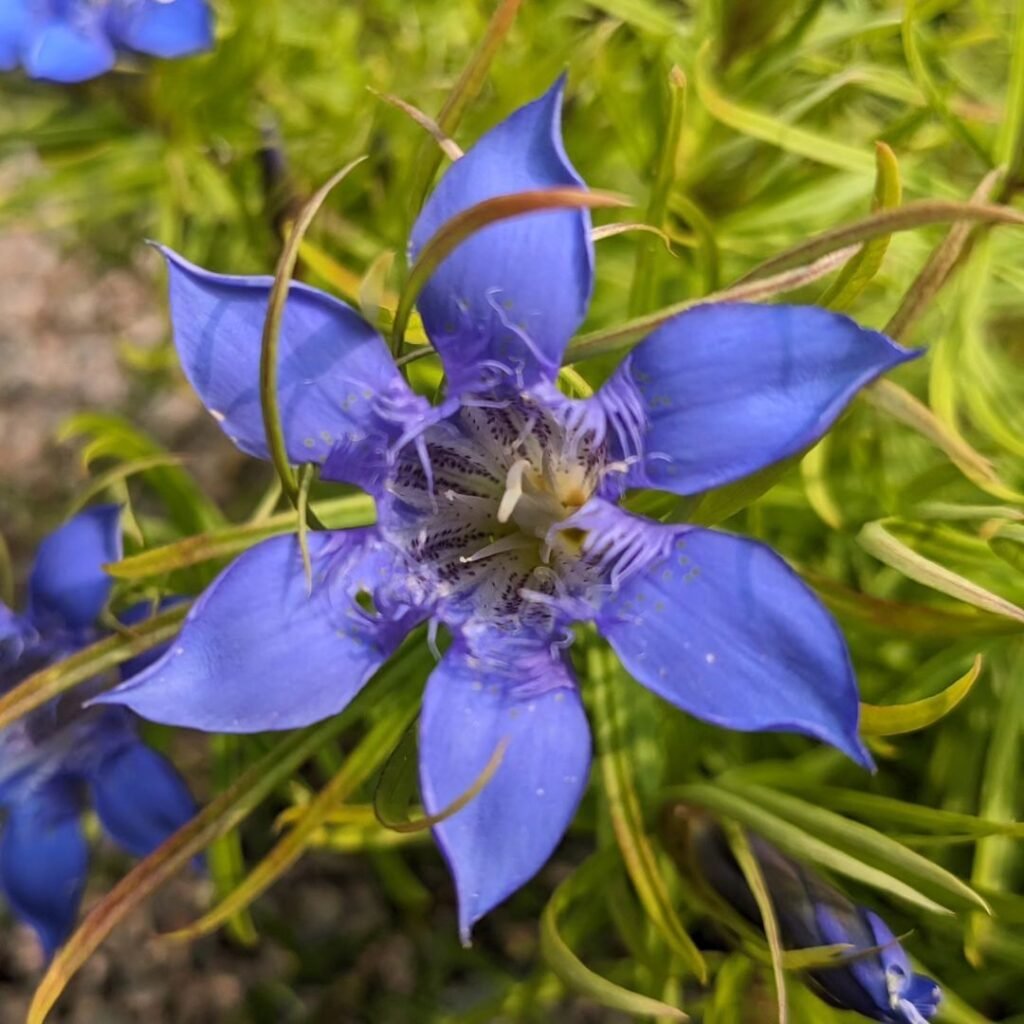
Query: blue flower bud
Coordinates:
[873,978]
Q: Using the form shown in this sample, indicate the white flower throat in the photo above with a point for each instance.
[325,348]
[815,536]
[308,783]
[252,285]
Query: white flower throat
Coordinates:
[479,504]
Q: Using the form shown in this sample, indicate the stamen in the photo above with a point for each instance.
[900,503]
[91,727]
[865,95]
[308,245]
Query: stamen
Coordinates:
[513,489]
[513,542]
[428,470]
[525,433]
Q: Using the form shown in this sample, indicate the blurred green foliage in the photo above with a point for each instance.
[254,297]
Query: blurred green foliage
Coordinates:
[739,128]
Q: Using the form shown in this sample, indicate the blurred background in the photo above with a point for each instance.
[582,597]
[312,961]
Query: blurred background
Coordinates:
[739,128]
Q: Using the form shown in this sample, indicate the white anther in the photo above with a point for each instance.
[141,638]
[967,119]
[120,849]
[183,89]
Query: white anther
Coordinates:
[513,489]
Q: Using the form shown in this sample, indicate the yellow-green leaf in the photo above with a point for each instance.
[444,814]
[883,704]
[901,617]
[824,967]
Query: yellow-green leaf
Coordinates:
[857,274]
[42,686]
[627,816]
[571,970]
[896,719]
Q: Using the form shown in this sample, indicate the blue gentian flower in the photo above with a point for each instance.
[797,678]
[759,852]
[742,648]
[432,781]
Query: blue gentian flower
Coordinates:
[51,758]
[498,514]
[874,977]
[74,40]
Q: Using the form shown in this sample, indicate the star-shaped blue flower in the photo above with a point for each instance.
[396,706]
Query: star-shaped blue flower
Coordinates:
[74,40]
[498,514]
[51,758]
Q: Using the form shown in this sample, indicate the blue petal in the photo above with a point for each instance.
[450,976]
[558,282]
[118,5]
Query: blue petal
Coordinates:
[924,995]
[729,389]
[917,998]
[515,292]
[258,651]
[858,984]
[334,369]
[14,21]
[16,633]
[476,700]
[135,615]
[69,45]
[44,860]
[140,798]
[891,954]
[68,586]
[163,28]
[724,629]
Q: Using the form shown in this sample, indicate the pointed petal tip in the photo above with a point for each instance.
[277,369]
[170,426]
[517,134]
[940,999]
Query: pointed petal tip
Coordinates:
[858,753]
[730,388]
[68,582]
[541,264]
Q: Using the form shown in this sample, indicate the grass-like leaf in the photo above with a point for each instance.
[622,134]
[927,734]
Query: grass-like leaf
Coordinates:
[897,719]
[42,686]
[568,966]
[627,817]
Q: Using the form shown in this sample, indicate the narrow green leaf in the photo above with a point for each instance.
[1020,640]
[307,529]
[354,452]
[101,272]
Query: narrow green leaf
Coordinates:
[909,216]
[1007,541]
[865,843]
[373,291]
[906,619]
[759,125]
[747,862]
[448,146]
[272,329]
[1010,144]
[42,686]
[644,15]
[398,782]
[396,709]
[801,844]
[117,474]
[717,505]
[994,858]
[570,969]
[114,437]
[224,858]
[644,279]
[731,992]
[814,473]
[919,70]
[626,815]
[465,90]
[336,514]
[905,815]
[878,541]
[903,406]
[858,273]
[896,719]
[344,281]
[940,265]
[605,340]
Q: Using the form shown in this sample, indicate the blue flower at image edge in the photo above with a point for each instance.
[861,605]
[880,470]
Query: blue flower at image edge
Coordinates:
[74,40]
[498,514]
[51,758]
[873,977]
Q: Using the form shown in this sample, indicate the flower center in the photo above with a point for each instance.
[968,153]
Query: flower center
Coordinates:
[477,502]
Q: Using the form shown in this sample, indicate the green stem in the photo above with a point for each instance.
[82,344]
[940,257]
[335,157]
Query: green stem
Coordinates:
[272,425]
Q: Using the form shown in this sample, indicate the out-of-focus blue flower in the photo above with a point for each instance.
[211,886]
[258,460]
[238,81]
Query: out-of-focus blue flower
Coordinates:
[73,40]
[874,977]
[57,755]
[498,514]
